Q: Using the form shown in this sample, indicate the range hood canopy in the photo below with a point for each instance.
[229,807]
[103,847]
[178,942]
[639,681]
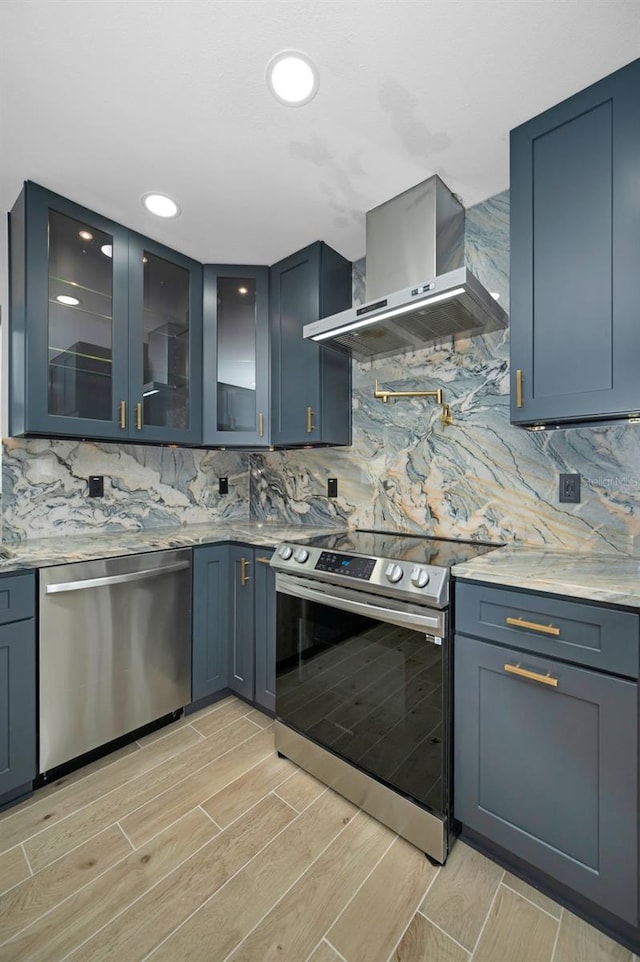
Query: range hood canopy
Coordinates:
[415,248]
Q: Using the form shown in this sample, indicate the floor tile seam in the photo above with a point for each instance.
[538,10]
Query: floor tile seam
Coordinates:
[100,798]
[133,848]
[21,881]
[224,884]
[555,944]
[531,902]
[242,775]
[284,802]
[294,883]
[122,910]
[301,811]
[486,918]
[332,946]
[366,879]
[179,781]
[210,817]
[444,931]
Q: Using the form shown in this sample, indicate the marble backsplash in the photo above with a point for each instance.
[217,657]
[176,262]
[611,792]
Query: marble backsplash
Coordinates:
[477,478]
[145,486]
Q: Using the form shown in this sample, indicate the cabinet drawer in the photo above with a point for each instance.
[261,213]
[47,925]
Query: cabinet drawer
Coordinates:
[17,597]
[586,634]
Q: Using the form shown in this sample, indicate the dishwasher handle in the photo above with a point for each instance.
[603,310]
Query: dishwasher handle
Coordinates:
[116,579]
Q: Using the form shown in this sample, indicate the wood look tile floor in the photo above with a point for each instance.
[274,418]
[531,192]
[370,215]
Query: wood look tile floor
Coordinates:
[199,843]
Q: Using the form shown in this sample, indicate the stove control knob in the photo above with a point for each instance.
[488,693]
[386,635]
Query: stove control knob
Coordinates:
[394,573]
[419,577]
[301,555]
[285,552]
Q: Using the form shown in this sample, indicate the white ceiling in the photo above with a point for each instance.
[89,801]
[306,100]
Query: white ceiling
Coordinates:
[103,100]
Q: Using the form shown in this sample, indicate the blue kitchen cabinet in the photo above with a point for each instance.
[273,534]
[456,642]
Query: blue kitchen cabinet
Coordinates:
[241,621]
[575,250]
[310,382]
[17,686]
[236,356]
[265,630]
[105,328]
[546,748]
[210,638]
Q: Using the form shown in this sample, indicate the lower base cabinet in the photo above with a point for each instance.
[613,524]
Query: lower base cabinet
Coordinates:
[17,686]
[234,623]
[546,756]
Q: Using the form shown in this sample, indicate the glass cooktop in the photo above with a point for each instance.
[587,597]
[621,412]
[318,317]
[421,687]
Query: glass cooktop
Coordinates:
[394,546]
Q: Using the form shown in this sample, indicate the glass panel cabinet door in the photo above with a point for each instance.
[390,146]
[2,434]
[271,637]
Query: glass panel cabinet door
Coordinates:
[75,316]
[165,329]
[80,328]
[235,355]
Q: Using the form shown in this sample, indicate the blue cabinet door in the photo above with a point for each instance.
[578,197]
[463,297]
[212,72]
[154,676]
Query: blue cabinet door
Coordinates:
[546,767]
[17,686]
[575,250]
[235,355]
[68,319]
[210,642]
[265,630]
[165,344]
[310,383]
[241,621]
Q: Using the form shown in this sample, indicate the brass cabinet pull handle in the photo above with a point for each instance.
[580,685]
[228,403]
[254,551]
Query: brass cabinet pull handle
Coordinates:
[519,399]
[139,416]
[261,425]
[123,414]
[310,425]
[531,675]
[264,561]
[532,626]
[244,577]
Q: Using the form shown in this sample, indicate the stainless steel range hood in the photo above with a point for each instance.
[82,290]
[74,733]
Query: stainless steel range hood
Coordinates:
[415,248]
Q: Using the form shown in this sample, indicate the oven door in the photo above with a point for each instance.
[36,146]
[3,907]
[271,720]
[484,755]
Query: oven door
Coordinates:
[369,679]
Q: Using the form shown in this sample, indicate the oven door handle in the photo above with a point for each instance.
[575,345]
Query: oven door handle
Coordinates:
[431,624]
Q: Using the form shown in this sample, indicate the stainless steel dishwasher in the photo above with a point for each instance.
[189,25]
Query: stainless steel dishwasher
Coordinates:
[115,649]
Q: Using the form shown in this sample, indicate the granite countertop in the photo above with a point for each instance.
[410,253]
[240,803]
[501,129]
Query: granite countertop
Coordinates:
[42,552]
[613,578]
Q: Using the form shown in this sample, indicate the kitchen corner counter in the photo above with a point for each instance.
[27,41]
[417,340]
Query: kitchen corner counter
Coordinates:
[610,578]
[42,552]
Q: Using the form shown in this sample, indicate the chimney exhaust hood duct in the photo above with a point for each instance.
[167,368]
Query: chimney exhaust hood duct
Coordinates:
[415,247]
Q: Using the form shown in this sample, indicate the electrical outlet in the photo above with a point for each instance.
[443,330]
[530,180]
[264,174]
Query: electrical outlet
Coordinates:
[96,486]
[332,487]
[569,488]
[223,485]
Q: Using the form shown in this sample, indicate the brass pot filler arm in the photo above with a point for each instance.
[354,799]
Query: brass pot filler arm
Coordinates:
[445,414]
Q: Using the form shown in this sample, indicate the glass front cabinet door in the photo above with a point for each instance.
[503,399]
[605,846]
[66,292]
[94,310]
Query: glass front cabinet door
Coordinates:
[102,327]
[235,356]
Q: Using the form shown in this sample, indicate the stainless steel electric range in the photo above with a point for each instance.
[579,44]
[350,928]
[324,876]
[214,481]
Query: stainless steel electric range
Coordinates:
[364,673]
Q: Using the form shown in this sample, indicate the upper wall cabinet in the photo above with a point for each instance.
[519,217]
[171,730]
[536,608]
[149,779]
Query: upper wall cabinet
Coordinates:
[575,251]
[105,328]
[310,383]
[235,356]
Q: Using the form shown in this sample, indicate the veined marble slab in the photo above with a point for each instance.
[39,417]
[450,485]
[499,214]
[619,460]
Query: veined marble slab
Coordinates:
[611,578]
[43,552]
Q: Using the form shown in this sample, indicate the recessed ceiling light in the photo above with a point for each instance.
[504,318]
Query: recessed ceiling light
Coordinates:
[243,290]
[107,250]
[292,78]
[85,235]
[160,204]
[67,299]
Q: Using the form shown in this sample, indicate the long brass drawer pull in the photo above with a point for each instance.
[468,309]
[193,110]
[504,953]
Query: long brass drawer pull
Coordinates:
[519,398]
[531,675]
[139,416]
[264,561]
[532,626]
[261,425]
[123,415]
[244,577]
[310,424]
